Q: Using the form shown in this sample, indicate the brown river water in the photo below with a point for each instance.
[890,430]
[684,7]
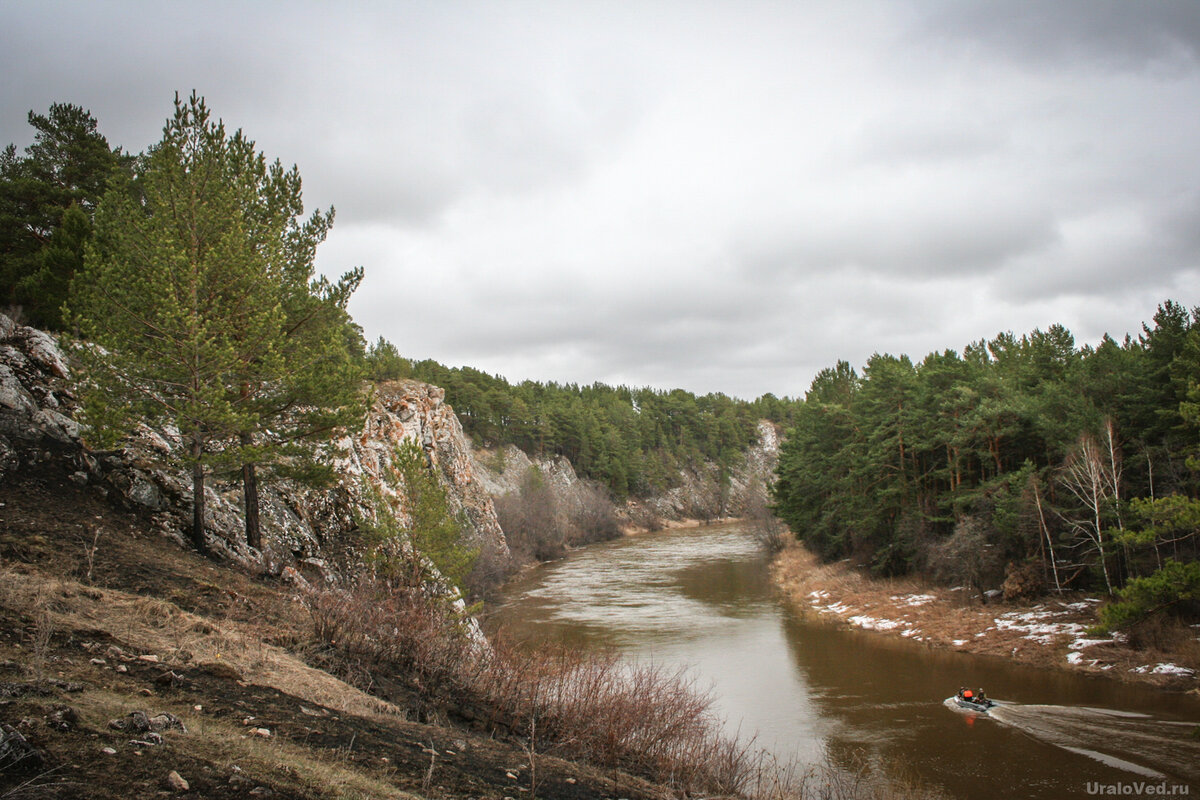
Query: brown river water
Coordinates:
[702,597]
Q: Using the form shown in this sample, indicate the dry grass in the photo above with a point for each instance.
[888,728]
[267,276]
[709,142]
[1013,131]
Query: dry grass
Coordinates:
[225,744]
[154,626]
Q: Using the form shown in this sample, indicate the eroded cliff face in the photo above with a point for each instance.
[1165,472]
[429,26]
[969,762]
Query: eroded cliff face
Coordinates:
[699,495]
[703,495]
[300,525]
[417,411]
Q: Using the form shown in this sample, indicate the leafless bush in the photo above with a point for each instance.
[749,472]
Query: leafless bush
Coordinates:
[644,517]
[966,556]
[372,625]
[593,516]
[532,521]
[492,567]
[90,548]
[43,632]
[644,718]
[771,533]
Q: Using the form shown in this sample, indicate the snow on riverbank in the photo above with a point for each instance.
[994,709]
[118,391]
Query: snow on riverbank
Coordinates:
[1051,633]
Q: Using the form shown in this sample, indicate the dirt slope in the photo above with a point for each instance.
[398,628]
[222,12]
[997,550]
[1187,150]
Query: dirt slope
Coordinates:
[102,617]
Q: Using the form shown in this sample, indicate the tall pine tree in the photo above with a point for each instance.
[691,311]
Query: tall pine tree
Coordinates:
[198,300]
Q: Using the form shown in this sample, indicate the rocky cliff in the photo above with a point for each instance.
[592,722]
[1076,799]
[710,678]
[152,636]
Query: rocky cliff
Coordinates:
[300,524]
[699,495]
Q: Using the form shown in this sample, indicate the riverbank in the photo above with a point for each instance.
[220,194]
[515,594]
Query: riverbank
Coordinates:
[1051,633]
[631,529]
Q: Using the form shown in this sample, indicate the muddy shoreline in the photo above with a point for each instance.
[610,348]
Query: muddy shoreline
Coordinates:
[1052,632]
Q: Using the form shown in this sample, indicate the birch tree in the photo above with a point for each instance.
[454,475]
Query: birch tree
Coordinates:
[1092,475]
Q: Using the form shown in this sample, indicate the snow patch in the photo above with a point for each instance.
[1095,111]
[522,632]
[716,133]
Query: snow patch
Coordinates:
[914,599]
[1079,644]
[1165,669]
[1036,625]
[872,624]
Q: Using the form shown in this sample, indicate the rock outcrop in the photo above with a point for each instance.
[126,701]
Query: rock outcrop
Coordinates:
[417,411]
[35,397]
[300,525]
[699,494]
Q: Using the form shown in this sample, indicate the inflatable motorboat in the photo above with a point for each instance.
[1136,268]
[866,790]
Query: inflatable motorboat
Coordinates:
[975,702]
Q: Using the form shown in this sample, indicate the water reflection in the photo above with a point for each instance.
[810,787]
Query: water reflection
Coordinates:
[703,598]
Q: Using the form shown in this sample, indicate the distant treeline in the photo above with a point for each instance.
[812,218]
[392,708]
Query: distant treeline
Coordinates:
[634,441]
[1057,465]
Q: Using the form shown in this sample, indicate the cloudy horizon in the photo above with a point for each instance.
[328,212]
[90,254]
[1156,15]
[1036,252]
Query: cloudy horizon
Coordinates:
[714,196]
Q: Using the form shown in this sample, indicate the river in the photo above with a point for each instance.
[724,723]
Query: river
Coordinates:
[702,597]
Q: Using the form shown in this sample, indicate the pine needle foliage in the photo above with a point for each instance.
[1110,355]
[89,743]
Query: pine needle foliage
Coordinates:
[434,535]
[200,310]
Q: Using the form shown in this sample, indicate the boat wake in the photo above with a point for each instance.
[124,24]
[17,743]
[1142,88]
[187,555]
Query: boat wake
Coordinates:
[1136,743]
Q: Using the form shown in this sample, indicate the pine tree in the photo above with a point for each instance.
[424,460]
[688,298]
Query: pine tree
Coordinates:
[198,301]
[51,190]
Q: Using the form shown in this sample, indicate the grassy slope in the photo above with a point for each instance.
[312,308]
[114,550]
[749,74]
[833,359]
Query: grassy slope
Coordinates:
[121,619]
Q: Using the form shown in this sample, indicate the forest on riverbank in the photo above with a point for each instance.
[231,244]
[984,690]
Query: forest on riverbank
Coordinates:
[1028,462]
[634,441]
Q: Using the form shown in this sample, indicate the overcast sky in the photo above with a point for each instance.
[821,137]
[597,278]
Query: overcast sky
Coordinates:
[722,196]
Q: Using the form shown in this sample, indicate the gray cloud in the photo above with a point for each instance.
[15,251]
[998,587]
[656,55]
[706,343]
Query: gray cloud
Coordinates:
[1110,33]
[723,197]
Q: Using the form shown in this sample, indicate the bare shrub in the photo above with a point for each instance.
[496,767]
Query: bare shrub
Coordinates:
[593,517]
[645,718]
[492,567]
[644,517]
[532,520]
[90,548]
[965,556]
[372,625]
[43,632]
[848,778]
[768,529]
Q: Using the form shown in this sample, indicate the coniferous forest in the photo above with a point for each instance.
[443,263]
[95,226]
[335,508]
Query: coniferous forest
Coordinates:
[1031,458]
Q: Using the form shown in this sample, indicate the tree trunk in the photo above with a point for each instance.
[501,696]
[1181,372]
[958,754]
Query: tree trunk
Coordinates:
[250,495]
[250,490]
[1049,541]
[198,500]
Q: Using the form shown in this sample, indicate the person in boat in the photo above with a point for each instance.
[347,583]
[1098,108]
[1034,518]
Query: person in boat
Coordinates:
[966,694]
